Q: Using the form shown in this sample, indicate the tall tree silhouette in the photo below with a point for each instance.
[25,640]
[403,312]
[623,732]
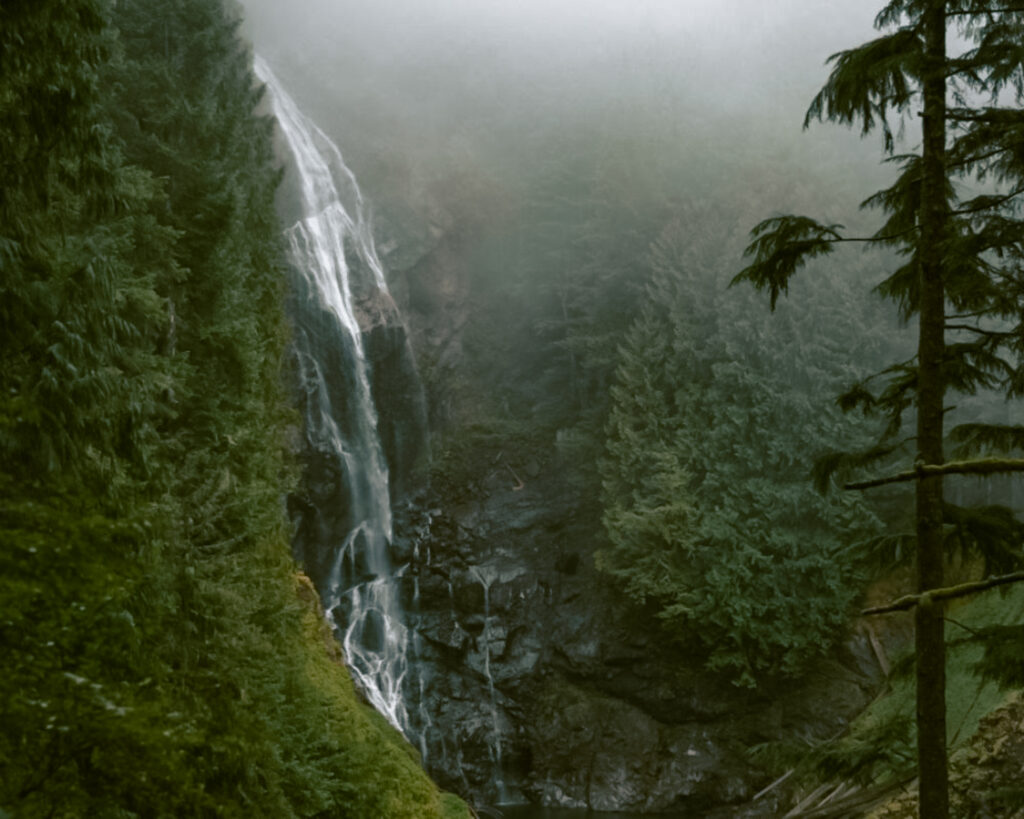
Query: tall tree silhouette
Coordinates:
[961,279]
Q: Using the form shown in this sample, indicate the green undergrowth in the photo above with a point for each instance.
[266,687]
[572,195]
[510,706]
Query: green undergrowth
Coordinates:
[382,767]
[488,444]
[879,746]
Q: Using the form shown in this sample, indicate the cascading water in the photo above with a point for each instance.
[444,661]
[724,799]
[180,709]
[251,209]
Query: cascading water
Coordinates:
[339,289]
[486,578]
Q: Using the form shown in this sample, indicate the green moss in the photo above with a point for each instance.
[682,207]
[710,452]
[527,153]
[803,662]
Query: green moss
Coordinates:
[381,768]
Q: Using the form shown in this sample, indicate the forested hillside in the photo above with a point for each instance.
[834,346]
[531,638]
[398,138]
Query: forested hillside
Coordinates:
[601,323]
[161,656]
[617,583]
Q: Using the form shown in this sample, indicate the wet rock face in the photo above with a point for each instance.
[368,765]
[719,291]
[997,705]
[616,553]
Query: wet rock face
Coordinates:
[541,683]
[401,405]
[321,507]
[534,679]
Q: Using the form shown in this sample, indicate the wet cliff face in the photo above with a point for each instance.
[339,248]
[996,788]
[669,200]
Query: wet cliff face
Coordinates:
[537,680]
[541,682]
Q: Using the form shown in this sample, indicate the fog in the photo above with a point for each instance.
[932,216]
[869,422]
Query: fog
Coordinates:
[412,82]
[742,47]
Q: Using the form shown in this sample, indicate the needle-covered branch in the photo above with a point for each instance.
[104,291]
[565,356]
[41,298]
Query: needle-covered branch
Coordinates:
[995,10]
[782,245]
[986,202]
[947,593]
[868,82]
[984,466]
[980,439]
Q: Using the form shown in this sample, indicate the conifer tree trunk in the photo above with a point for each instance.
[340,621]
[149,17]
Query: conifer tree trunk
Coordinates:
[930,647]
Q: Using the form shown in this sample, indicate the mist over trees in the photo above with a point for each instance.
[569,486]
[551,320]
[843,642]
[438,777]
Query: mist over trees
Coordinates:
[413,89]
[600,182]
[603,182]
[594,169]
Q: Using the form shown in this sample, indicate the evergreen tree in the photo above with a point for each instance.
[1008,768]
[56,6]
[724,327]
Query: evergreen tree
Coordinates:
[707,509]
[961,274]
[648,506]
[81,387]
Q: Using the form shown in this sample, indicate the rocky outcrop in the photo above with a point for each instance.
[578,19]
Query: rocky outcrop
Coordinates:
[542,683]
[397,392]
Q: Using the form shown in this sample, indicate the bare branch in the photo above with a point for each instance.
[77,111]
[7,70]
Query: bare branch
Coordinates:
[948,593]
[982,466]
[979,330]
[972,631]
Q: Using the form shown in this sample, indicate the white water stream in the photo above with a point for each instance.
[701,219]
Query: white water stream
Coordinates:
[487,576]
[361,594]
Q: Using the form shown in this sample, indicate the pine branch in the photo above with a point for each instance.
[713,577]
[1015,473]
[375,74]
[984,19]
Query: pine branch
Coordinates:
[982,115]
[984,466]
[908,602]
[782,245]
[979,330]
[978,158]
[975,12]
[981,203]
[983,439]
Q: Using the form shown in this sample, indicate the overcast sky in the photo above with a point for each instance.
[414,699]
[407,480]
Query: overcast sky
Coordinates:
[745,47]
[406,80]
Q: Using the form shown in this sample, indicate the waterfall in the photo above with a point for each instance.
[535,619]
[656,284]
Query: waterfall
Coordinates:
[339,292]
[486,577]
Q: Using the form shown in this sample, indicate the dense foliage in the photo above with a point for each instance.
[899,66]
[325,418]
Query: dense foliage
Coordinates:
[160,655]
[716,414]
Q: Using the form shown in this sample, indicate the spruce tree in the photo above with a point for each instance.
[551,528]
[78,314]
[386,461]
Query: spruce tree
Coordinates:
[649,512]
[961,273]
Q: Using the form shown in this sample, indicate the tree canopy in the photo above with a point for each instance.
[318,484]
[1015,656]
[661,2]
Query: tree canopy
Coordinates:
[710,518]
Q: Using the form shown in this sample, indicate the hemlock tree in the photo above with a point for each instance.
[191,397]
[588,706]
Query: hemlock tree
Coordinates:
[962,274]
